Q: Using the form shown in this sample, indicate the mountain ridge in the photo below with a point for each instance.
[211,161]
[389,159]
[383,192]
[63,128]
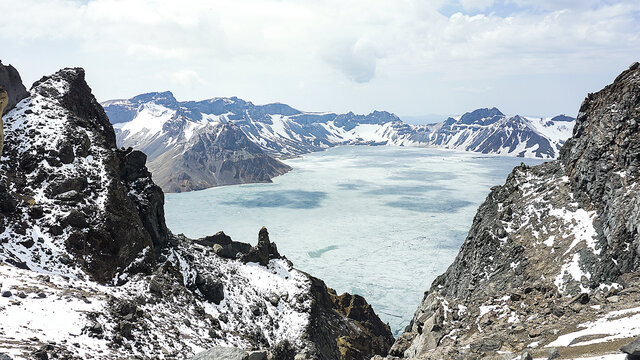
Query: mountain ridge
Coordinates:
[283,131]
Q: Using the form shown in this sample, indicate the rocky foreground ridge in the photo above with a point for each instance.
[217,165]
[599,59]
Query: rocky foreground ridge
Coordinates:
[551,265]
[89,270]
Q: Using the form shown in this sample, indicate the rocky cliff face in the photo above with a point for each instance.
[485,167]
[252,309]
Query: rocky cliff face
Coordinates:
[551,261]
[88,267]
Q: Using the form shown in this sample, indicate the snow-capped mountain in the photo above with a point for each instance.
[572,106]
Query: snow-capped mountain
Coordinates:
[283,131]
[489,131]
[88,268]
[186,153]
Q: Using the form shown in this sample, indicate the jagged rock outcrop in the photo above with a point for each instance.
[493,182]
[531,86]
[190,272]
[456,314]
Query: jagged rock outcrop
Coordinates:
[82,224]
[264,251]
[12,91]
[602,161]
[344,327]
[145,194]
[11,82]
[552,251]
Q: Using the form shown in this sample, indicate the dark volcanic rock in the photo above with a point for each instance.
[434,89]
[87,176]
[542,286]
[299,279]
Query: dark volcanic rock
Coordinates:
[145,194]
[11,82]
[632,349]
[224,247]
[115,237]
[212,290]
[578,212]
[334,320]
[264,251]
[604,155]
[215,155]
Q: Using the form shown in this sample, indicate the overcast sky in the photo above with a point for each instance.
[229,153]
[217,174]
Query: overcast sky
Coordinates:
[410,57]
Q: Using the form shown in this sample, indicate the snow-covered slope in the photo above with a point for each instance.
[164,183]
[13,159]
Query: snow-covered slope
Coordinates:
[284,132]
[489,131]
[88,268]
[188,153]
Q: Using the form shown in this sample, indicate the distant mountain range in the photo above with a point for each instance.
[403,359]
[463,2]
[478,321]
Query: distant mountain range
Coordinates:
[172,132]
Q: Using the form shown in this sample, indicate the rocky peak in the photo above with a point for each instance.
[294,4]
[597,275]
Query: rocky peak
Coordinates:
[215,154]
[264,251]
[230,137]
[482,116]
[11,82]
[165,98]
[145,194]
[64,192]
[279,108]
[562,117]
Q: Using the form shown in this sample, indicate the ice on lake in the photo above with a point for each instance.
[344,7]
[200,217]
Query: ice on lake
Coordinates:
[381,222]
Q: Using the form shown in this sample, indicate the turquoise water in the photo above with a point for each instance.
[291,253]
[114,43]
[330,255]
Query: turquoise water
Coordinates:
[381,222]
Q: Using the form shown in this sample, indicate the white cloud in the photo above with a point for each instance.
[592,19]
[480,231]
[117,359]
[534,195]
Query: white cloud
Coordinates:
[557,4]
[357,60]
[332,46]
[186,77]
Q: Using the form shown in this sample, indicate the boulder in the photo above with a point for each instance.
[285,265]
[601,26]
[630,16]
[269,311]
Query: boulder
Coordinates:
[211,290]
[486,345]
[632,349]
[258,355]
[223,246]
[553,354]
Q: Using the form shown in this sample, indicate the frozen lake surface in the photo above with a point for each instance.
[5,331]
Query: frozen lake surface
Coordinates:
[381,222]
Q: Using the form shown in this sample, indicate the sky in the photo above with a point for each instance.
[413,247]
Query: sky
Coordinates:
[415,58]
